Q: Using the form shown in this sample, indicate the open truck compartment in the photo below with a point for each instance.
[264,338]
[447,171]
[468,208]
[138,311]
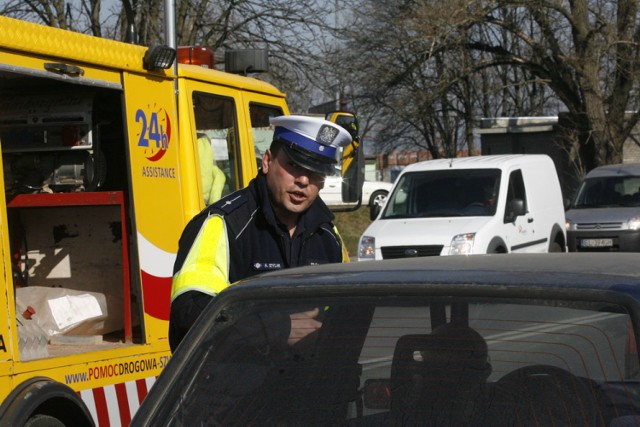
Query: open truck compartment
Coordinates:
[67,189]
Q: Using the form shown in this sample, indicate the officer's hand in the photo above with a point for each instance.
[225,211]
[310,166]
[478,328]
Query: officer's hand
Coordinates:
[302,324]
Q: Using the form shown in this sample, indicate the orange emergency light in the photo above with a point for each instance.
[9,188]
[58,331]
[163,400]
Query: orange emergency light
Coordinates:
[196,55]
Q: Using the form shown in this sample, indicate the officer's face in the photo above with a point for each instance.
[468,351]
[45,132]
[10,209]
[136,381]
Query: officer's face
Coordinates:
[293,188]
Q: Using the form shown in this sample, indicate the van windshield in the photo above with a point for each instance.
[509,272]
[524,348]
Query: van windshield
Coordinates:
[444,193]
[606,192]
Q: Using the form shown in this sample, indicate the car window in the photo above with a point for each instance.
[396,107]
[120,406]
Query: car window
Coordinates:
[517,188]
[618,191]
[413,361]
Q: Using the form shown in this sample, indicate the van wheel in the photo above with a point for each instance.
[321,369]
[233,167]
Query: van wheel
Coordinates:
[42,420]
[497,246]
[555,247]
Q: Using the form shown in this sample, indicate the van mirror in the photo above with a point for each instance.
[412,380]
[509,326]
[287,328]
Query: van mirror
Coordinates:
[515,208]
[352,163]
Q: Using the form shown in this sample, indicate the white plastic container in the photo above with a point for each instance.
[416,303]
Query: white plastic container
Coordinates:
[66,311]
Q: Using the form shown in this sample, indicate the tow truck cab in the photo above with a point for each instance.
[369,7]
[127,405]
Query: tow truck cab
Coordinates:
[101,169]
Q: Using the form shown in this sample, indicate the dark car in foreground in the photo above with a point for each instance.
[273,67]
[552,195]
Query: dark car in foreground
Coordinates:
[530,339]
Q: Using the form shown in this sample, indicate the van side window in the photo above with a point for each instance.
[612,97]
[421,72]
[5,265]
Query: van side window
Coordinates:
[215,118]
[262,130]
[516,189]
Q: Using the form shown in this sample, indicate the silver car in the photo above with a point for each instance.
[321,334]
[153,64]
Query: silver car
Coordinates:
[605,215]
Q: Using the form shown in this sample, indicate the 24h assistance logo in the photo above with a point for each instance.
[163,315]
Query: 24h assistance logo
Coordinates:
[155,132]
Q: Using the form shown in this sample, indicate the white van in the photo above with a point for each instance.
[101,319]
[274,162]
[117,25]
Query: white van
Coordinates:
[472,205]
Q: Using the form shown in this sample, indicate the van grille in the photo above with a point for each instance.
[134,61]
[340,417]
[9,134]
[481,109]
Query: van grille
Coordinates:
[390,252]
[599,226]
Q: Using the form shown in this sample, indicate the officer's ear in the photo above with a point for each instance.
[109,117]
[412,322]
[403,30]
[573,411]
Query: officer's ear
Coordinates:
[267,158]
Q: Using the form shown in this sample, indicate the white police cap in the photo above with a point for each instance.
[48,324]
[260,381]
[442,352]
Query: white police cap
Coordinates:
[311,142]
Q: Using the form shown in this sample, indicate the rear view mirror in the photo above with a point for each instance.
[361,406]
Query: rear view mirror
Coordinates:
[352,164]
[377,393]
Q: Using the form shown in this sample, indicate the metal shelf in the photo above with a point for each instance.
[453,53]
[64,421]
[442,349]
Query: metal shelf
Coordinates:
[45,200]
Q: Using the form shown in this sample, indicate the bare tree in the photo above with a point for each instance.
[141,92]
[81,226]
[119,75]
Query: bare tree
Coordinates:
[586,51]
[84,16]
[289,30]
[422,61]
[54,13]
[420,71]
[415,65]
[293,32]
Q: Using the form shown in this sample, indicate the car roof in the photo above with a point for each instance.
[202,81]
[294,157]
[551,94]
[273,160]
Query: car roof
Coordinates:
[596,271]
[632,169]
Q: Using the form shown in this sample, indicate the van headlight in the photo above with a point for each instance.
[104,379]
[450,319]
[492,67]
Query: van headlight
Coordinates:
[462,244]
[367,248]
[634,223]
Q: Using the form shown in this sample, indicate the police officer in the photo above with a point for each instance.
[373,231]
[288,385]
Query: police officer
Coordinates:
[276,222]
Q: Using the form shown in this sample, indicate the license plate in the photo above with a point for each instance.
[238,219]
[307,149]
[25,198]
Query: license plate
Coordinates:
[596,243]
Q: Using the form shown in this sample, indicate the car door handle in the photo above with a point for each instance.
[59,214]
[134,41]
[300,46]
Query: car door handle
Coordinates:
[529,220]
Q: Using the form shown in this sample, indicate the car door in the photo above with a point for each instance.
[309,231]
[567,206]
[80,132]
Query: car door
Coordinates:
[331,194]
[520,227]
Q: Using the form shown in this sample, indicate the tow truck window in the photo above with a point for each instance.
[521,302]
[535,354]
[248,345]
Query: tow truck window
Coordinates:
[217,134]
[262,130]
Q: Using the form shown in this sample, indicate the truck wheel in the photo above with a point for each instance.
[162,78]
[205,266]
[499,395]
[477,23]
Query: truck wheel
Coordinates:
[42,420]
[43,402]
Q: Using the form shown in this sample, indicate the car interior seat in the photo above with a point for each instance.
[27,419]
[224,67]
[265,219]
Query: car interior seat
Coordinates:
[319,379]
[543,395]
[439,378]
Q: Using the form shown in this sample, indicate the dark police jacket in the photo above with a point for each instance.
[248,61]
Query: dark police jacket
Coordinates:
[238,237]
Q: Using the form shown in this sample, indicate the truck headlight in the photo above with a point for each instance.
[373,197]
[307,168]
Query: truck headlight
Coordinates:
[367,248]
[634,223]
[462,244]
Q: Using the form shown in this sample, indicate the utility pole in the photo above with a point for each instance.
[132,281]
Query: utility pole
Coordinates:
[335,23]
[170,23]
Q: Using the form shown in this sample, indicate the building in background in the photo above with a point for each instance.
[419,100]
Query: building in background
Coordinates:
[540,135]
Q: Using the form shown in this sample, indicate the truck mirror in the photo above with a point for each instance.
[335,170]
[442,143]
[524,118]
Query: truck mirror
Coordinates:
[352,162]
[374,210]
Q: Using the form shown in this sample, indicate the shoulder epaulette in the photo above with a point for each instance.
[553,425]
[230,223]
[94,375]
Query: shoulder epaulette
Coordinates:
[229,204]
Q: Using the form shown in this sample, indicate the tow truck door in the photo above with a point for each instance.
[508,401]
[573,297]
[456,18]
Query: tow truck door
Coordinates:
[152,131]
